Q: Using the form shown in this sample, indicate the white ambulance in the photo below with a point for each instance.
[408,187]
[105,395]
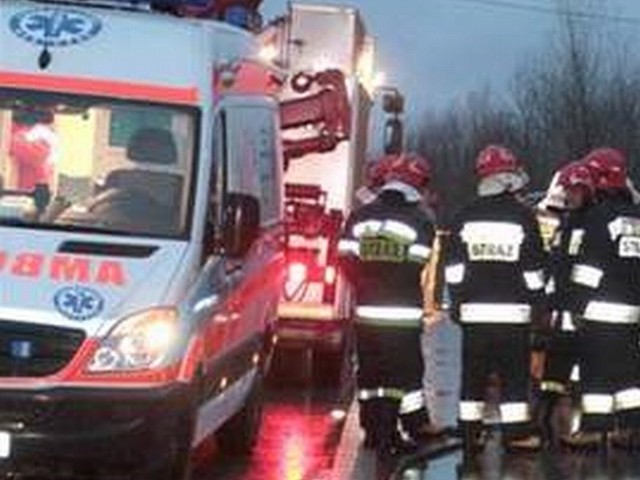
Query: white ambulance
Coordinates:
[140,258]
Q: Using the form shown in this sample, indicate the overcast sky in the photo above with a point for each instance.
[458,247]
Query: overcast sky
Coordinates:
[439,50]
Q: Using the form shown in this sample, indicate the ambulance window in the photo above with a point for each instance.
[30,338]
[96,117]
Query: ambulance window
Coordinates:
[125,121]
[219,169]
[62,164]
[253,157]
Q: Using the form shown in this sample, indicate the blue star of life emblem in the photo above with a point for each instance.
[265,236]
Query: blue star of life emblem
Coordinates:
[78,303]
[55,27]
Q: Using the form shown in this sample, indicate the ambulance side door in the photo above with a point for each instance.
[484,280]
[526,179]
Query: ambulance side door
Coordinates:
[255,169]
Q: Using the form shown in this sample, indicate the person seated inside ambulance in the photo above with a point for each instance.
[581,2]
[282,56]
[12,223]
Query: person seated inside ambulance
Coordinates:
[141,198]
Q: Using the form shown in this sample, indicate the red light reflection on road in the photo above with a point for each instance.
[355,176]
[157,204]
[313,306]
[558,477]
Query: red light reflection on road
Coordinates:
[293,441]
[294,458]
[297,441]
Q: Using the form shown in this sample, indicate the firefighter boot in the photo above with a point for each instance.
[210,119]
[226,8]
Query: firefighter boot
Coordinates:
[585,441]
[395,447]
[555,419]
[593,434]
[562,418]
[521,438]
[626,439]
[543,419]
[523,442]
[421,428]
[471,439]
[491,413]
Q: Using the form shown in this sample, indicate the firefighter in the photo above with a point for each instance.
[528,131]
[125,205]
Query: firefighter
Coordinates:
[495,273]
[606,277]
[576,196]
[384,248]
[549,213]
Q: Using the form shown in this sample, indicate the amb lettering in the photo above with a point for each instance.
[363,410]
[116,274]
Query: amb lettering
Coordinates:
[62,268]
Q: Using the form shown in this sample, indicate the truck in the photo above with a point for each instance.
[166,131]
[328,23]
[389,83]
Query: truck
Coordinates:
[320,183]
[141,253]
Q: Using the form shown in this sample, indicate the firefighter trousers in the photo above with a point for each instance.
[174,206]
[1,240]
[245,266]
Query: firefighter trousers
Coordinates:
[609,367]
[390,375]
[495,373]
[561,356]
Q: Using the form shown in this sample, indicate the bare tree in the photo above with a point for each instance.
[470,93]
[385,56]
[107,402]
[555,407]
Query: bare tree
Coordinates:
[582,91]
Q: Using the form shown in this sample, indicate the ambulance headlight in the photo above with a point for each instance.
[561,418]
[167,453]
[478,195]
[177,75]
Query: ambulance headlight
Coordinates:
[142,341]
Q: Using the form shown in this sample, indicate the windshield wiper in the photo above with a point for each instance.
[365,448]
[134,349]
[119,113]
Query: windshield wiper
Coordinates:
[14,222]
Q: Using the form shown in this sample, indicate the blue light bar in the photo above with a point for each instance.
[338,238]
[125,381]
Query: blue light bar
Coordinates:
[177,4]
[161,4]
[240,13]
[136,4]
[244,18]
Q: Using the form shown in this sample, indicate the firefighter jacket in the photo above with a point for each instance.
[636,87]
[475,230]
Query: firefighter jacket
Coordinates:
[384,248]
[607,272]
[564,255]
[495,267]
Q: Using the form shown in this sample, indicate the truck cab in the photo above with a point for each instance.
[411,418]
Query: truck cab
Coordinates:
[141,259]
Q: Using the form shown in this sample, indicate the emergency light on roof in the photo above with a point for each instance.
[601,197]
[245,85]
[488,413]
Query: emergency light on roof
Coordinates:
[148,4]
[123,4]
[240,13]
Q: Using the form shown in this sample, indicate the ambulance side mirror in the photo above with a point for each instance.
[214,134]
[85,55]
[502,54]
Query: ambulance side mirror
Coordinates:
[241,224]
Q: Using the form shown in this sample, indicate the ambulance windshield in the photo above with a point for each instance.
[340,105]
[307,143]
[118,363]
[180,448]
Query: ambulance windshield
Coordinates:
[96,165]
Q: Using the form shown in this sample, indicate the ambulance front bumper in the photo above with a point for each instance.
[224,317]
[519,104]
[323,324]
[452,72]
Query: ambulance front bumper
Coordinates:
[88,430]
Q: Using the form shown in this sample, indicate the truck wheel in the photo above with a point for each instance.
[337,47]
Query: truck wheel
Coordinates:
[239,435]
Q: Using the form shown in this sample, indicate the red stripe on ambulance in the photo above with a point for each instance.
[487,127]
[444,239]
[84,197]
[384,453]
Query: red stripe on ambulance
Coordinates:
[96,86]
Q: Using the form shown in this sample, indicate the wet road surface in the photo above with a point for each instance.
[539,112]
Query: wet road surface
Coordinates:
[494,464]
[305,436]
[301,429]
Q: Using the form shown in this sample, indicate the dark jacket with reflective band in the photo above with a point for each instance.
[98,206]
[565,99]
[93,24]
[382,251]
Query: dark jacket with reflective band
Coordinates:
[494,242]
[564,255]
[608,266]
[385,273]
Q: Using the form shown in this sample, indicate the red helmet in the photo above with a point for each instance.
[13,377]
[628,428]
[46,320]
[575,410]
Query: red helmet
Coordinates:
[410,168]
[577,174]
[608,168]
[497,159]
[375,173]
